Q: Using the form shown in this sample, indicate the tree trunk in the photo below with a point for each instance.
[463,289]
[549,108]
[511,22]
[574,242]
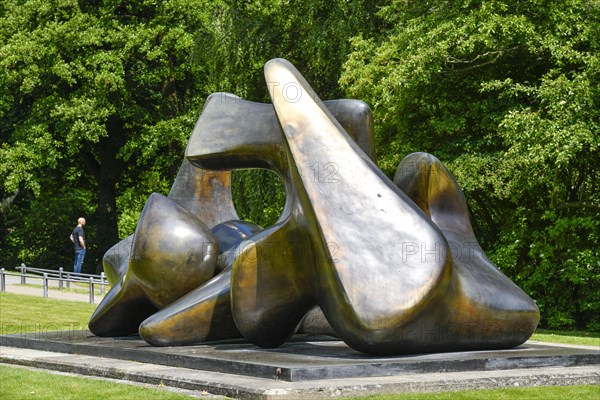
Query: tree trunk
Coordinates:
[106,170]
[107,232]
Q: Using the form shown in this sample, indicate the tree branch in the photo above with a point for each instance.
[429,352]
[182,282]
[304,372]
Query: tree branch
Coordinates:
[5,203]
[496,55]
[578,204]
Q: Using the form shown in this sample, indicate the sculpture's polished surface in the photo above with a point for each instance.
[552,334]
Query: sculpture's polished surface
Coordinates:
[389,267]
[359,223]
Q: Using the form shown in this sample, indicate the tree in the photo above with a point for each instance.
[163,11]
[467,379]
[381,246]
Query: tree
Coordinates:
[96,98]
[506,93]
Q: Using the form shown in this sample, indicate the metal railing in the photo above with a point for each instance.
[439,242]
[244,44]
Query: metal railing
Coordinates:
[64,278]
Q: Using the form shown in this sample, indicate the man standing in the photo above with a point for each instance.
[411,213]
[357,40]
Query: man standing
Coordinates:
[78,239]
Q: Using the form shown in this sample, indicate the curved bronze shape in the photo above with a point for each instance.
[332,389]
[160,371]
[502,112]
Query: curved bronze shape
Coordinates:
[206,194]
[204,314]
[389,267]
[357,224]
[169,245]
[483,308]
[116,260]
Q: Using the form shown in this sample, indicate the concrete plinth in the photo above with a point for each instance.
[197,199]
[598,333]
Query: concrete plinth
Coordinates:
[307,367]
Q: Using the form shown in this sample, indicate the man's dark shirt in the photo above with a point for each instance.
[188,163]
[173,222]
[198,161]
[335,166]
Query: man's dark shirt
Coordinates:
[77,232]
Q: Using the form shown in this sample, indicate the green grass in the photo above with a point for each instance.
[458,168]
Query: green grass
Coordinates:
[568,337]
[18,383]
[22,313]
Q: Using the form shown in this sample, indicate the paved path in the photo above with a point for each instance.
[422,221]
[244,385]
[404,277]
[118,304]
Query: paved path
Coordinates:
[33,287]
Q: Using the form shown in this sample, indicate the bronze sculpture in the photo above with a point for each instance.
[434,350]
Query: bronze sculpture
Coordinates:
[394,266]
[259,143]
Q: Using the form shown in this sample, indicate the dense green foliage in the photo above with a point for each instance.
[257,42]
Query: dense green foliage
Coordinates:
[97,99]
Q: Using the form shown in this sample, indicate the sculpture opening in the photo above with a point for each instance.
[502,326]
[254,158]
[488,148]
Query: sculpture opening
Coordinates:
[263,206]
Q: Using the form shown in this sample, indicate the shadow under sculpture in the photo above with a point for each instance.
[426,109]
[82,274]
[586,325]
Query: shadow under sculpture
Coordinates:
[394,266]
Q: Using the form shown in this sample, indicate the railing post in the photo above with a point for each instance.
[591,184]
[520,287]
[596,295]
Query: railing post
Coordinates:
[2,280]
[60,278]
[102,283]
[68,280]
[23,272]
[45,285]
[91,290]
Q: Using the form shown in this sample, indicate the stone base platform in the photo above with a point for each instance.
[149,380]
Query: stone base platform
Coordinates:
[307,367]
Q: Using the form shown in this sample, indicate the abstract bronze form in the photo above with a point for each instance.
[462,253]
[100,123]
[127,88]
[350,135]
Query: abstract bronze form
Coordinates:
[390,267]
[222,142]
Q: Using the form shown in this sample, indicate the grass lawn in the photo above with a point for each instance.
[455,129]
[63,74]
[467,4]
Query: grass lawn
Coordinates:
[568,337]
[19,383]
[20,314]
